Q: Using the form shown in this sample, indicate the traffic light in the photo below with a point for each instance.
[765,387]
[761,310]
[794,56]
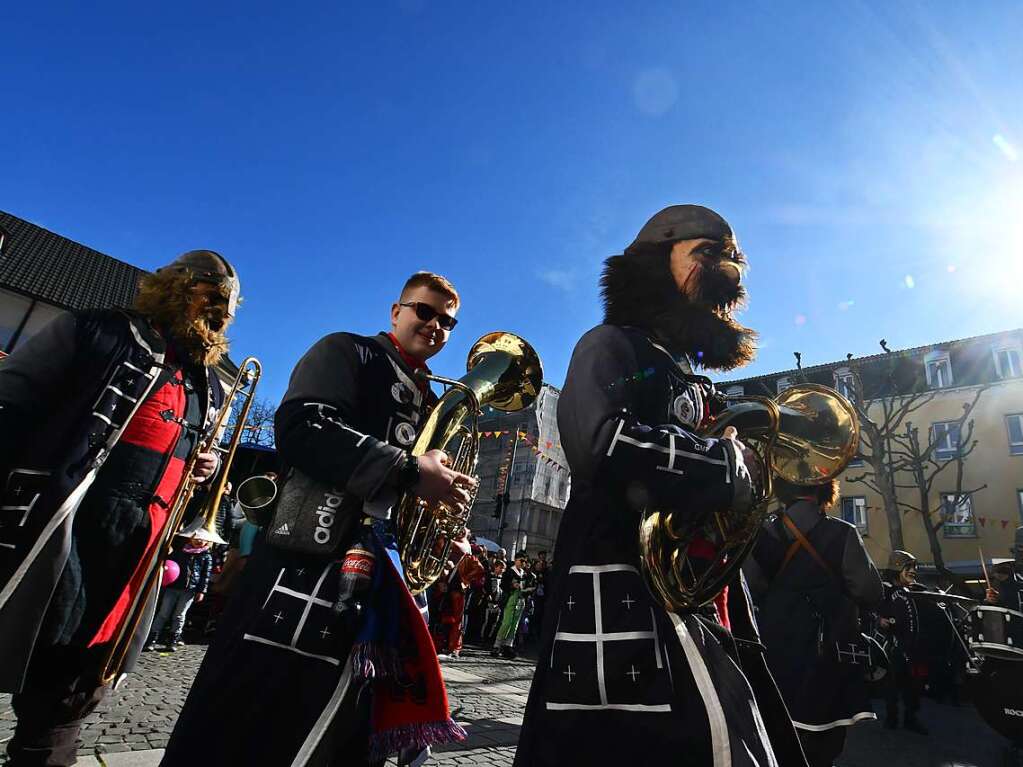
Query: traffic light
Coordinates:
[503,501]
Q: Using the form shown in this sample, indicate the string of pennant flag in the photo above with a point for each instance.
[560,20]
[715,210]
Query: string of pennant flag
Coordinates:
[983,522]
[533,444]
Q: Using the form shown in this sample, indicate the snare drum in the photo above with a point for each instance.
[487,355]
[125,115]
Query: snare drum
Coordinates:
[996,632]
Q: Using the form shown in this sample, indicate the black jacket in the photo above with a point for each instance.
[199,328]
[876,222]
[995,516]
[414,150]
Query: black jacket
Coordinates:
[614,661]
[809,616]
[196,570]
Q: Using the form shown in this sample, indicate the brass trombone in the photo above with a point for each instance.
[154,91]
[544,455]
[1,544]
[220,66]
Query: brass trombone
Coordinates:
[244,386]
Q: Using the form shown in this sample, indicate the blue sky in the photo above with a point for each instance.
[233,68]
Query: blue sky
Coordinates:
[867,154]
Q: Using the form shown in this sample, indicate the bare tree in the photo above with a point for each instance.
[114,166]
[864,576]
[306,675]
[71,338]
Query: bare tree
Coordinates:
[259,426]
[882,408]
[921,462]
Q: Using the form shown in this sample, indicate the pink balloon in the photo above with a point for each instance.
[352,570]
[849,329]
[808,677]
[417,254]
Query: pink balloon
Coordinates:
[171,571]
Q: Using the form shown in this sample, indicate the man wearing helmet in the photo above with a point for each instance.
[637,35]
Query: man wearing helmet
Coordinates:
[901,619]
[99,413]
[1006,589]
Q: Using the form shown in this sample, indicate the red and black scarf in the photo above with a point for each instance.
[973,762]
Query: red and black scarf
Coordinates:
[394,653]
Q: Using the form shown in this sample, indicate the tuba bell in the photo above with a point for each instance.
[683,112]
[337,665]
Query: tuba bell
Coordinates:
[806,435]
[502,371]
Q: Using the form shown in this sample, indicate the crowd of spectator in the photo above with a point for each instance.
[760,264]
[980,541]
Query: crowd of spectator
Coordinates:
[488,602]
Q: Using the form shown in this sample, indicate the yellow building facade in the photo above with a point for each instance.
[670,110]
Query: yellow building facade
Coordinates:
[942,378]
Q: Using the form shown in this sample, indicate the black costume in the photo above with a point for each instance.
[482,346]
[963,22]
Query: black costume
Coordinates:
[88,462]
[809,621]
[901,611]
[620,679]
[612,660]
[1010,590]
[278,667]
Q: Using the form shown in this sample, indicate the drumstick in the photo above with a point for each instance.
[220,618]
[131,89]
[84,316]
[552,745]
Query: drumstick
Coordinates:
[983,565]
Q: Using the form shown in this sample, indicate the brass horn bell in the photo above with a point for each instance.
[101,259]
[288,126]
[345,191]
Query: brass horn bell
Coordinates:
[807,436]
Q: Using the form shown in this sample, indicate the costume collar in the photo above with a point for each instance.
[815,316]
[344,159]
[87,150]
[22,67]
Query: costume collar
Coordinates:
[413,362]
[680,360]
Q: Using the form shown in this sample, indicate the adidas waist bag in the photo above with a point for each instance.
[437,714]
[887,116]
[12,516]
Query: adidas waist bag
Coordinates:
[311,517]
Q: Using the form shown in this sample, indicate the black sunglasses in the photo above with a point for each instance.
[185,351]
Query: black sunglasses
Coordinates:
[425,312]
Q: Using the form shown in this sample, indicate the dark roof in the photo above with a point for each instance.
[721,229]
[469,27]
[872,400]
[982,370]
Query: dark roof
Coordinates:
[916,351]
[51,268]
[44,265]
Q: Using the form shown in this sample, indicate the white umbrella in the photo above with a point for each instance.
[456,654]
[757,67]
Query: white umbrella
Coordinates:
[486,543]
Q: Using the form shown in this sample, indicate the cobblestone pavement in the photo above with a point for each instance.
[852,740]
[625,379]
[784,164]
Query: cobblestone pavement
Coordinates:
[141,713]
[487,697]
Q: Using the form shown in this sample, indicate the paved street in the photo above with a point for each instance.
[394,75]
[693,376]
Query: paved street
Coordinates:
[487,698]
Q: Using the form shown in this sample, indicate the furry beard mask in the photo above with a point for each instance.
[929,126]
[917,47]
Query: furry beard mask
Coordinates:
[638,289]
[198,330]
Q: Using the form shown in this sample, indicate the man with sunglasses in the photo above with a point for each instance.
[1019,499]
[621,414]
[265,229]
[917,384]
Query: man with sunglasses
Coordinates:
[294,657]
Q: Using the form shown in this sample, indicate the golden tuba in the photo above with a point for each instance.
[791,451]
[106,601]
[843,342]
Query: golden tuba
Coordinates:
[502,371]
[243,387]
[806,436]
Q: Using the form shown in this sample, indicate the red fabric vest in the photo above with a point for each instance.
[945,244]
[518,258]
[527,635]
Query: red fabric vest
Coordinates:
[150,430]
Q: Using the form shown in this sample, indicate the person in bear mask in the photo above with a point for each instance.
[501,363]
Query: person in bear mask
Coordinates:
[615,659]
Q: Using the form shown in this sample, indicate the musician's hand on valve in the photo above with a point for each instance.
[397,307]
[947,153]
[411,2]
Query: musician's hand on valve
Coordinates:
[205,466]
[439,483]
[752,464]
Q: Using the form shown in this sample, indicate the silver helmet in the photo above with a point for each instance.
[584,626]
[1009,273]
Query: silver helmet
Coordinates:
[899,560]
[209,266]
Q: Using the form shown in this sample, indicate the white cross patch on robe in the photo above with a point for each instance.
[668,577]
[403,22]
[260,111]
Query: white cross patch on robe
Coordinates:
[607,653]
[298,618]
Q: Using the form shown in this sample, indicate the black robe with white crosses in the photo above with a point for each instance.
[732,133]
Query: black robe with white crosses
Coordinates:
[274,686]
[619,679]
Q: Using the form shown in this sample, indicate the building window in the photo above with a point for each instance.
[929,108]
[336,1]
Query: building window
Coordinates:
[939,370]
[783,384]
[735,391]
[958,517]
[1014,423]
[844,384]
[945,438]
[857,460]
[854,511]
[1007,362]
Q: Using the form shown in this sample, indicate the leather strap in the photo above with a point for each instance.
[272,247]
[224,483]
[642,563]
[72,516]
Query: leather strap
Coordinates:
[800,542]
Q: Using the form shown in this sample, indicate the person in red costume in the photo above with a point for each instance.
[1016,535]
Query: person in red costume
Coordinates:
[449,635]
[99,414]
